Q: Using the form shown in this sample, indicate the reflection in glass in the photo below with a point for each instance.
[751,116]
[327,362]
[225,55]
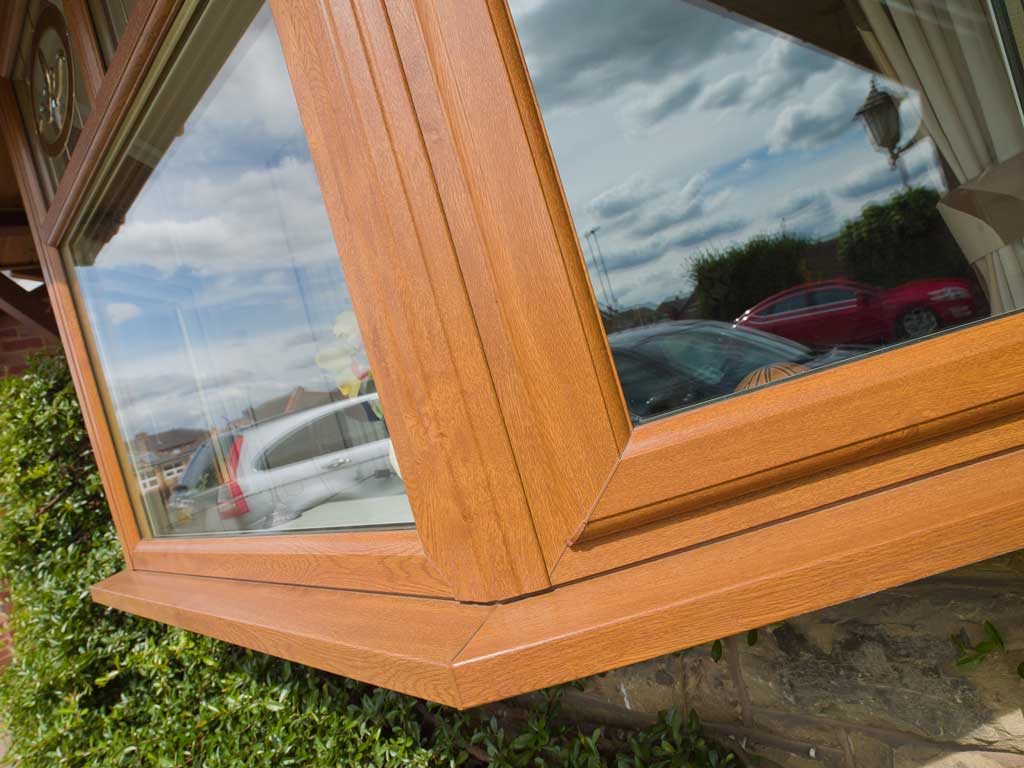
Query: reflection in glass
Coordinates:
[761,190]
[216,307]
[109,18]
[50,90]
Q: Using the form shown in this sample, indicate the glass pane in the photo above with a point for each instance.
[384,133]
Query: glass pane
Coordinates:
[1009,15]
[50,90]
[109,18]
[764,189]
[216,307]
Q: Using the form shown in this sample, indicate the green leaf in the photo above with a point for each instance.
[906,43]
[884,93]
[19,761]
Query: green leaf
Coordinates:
[970,662]
[695,724]
[752,637]
[716,651]
[104,679]
[985,647]
[993,635]
[1020,669]
[522,741]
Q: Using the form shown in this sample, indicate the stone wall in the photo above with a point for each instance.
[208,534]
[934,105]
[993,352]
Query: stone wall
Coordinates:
[871,683]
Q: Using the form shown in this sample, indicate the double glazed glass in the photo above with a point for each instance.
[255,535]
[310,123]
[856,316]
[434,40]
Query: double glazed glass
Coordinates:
[215,305]
[764,189]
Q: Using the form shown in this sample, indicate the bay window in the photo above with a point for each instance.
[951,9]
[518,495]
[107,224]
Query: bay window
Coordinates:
[470,347]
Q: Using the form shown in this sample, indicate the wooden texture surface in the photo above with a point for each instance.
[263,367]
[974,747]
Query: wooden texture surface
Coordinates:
[87,49]
[403,643]
[12,14]
[409,295]
[469,655]
[139,43]
[385,561]
[514,270]
[27,307]
[797,497]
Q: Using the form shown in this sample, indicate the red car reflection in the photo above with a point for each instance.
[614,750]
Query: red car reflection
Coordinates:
[847,312]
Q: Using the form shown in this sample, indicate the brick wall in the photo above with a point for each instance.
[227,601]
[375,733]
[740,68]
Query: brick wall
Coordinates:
[17,341]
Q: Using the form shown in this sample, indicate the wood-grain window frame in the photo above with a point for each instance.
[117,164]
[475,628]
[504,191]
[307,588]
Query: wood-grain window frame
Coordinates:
[605,494]
[553,540]
[473,539]
[86,45]
[569,487]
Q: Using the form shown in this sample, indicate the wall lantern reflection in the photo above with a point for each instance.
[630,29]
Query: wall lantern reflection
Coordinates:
[881,115]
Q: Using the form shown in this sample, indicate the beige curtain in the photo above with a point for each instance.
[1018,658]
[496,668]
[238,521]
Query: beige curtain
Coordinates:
[947,51]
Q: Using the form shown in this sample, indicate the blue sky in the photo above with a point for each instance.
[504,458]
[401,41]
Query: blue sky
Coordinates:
[677,130]
[224,282]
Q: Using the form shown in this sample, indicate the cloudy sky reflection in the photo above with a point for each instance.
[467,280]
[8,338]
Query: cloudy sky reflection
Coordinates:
[223,283]
[677,130]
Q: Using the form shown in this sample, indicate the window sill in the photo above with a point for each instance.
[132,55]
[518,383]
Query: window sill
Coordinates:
[469,654]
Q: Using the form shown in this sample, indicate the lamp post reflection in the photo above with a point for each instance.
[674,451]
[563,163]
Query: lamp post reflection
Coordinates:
[880,114]
[601,267]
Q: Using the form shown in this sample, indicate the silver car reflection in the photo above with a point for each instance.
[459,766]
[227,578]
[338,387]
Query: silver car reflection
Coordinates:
[277,470]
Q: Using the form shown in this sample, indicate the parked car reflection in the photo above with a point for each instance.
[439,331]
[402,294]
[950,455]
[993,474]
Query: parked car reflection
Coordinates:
[848,312]
[673,365]
[272,473]
[199,488]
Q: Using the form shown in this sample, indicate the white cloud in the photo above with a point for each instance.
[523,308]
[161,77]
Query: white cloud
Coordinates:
[727,92]
[808,124]
[659,103]
[210,381]
[673,207]
[265,218]
[884,178]
[784,69]
[121,312]
[710,233]
[627,197]
[253,91]
[579,51]
[809,213]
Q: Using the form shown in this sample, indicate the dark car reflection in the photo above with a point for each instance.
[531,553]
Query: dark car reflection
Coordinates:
[198,490]
[848,312]
[673,365]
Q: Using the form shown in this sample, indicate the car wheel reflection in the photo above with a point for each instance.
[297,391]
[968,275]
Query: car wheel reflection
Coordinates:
[919,321]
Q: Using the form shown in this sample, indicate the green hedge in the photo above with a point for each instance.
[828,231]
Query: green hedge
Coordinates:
[729,282]
[902,239]
[94,687]
[890,243]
